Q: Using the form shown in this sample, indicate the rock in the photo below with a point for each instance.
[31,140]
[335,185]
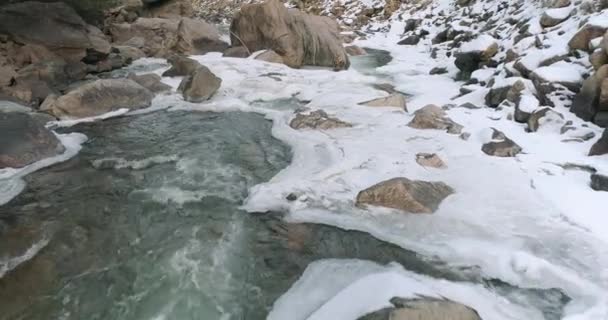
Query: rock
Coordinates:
[601,119]
[541,116]
[586,102]
[599,182]
[396,100]
[237,52]
[524,107]
[507,90]
[410,40]
[430,160]
[23,140]
[200,85]
[181,66]
[433,117]
[411,25]
[128,54]
[424,308]
[598,58]
[603,100]
[54,26]
[7,75]
[438,70]
[501,146]
[299,38]
[163,37]
[168,9]
[580,41]
[406,195]
[600,147]
[150,81]
[555,16]
[270,56]
[101,96]
[473,54]
[317,120]
[560,3]
[355,50]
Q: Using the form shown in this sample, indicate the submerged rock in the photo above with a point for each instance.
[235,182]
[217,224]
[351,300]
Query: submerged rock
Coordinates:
[200,85]
[396,100]
[406,195]
[101,96]
[430,160]
[424,308]
[301,39]
[433,117]
[317,120]
[25,140]
[501,146]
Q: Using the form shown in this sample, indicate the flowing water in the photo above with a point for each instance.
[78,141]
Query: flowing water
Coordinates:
[145,224]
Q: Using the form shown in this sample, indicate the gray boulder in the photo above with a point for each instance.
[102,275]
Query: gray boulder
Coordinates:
[599,182]
[200,85]
[501,146]
[150,81]
[181,66]
[600,147]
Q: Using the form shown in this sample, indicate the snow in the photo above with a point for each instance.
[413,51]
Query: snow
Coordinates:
[483,74]
[560,73]
[528,103]
[481,43]
[599,20]
[559,13]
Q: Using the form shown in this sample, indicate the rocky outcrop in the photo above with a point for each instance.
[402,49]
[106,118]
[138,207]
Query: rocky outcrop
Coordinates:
[433,117]
[162,37]
[101,96]
[300,39]
[55,27]
[200,85]
[181,66]
[24,140]
[150,81]
[396,100]
[600,147]
[406,195]
[318,119]
[430,160]
[501,146]
[424,308]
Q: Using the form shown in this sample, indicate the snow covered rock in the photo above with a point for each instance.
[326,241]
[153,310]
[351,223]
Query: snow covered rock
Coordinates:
[409,40]
[24,140]
[524,108]
[404,194]
[508,89]
[559,73]
[396,100]
[430,160]
[200,85]
[555,16]
[473,54]
[544,116]
[599,182]
[500,145]
[317,120]
[181,66]
[424,308]
[301,39]
[101,96]
[433,117]
[600,147]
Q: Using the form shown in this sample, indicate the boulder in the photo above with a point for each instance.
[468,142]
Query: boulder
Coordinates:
[200,85]
[599,182]
[181,66]
[586,102]
[429,160]
[500,146]
[409,40]
[598,58]
[101,96]
[300,39]
[150,81]
[433,117]
[510,91]
[163,37]
[524,107]
[236,52]
[396,100]
[168,9]
[54,26]
[406,195]
[128,54]
[270,56]
[580,40]
[438,70]
[554,16]
[423,308]
[317,120]
[355,50]
[600,147]
[24,140]
[544,115]
[473,54]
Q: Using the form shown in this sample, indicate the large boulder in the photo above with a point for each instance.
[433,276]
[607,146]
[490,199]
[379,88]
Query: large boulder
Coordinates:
[163,37]
[433,117]
[54,26]
[24,140]
[424,308]
[317,120]
[101,96]
[600,147]
[299,38]
[200,85]
[404,194]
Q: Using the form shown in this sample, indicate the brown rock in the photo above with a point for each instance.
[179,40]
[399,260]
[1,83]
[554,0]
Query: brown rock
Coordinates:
[433,117]
[396,100]
[237,52]
[603,102]
[200,85]
[181,66]
[430,160]
[317,120]
[425,308]
[580,41]
[406,195]
[600,147]
[270,56]
[7,75]
[598,58]
[150,81]
[534,121]
[355,50]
